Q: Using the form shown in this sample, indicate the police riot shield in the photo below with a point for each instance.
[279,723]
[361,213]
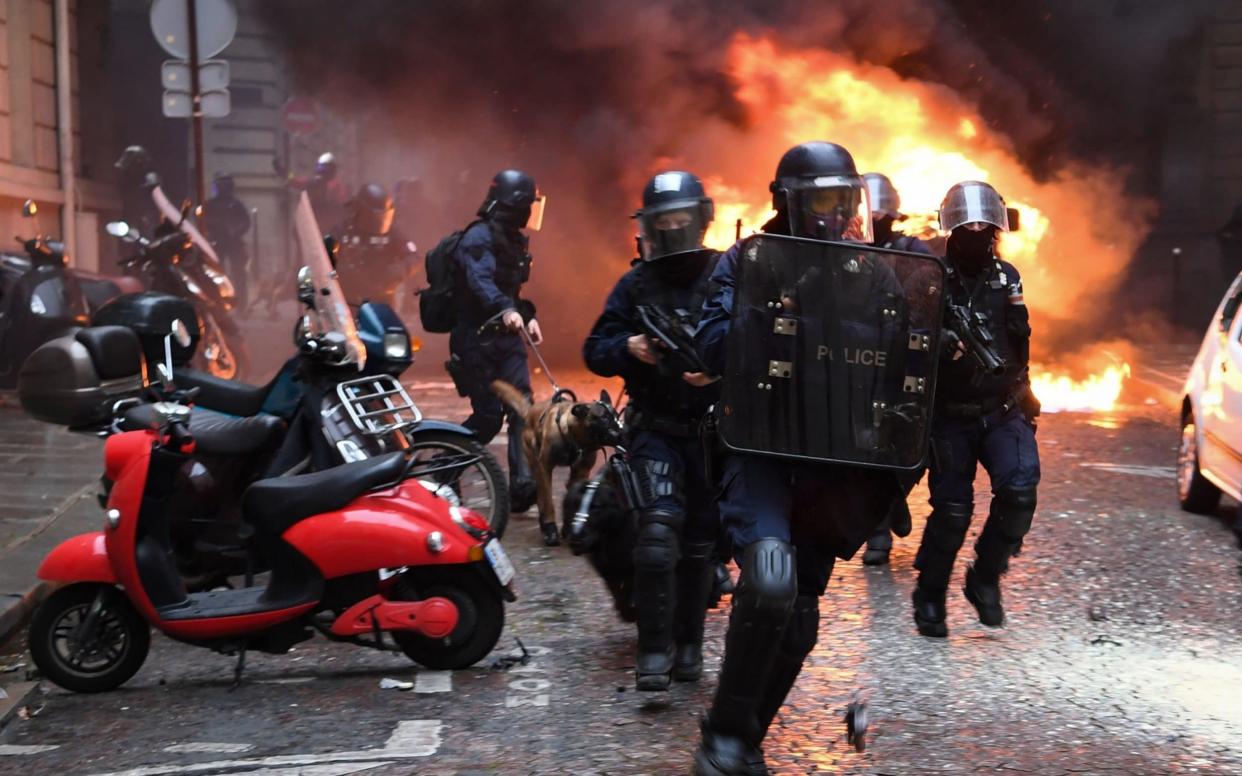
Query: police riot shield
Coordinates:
[832,352]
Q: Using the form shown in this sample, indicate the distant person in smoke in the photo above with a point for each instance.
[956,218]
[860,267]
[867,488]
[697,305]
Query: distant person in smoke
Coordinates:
[1230,238]
[328,194]
[228,221]
[373,259]
[138,177]
[979,418]
[489,262]
[885,213]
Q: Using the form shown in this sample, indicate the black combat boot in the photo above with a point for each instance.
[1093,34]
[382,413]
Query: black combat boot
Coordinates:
[878,546]
[655,576]
[929,612]
[694,582]
[1009,520]
[985,594]
[942,538]
[761,608]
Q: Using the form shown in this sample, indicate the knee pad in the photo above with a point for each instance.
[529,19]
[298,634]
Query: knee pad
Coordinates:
[1015,509]
[768,583]
[659,540]
[947,526]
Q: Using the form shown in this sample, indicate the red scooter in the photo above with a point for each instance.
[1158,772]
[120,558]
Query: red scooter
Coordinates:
[355,553]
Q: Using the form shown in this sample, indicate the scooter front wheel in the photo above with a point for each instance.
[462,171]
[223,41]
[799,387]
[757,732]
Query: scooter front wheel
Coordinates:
[88,638]
[480,616]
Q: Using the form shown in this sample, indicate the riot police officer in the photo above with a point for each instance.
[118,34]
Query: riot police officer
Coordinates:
[885,212]
[372,258]
[493,262]
[785,561]
[981,416]
[227,223]
[678,524]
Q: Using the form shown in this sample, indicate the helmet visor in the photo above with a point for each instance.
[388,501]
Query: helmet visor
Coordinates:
[975,206]
[535,221]
[831,209]
[671,230]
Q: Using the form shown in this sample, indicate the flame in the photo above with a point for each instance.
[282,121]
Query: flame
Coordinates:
[1098,392]
[927,138]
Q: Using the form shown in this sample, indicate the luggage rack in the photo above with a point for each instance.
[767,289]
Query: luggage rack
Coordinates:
[378,405]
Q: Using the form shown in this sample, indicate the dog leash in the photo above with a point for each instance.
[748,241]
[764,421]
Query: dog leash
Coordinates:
[558,390]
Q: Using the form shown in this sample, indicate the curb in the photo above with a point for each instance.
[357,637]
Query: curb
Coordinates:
[14,609]
[19,695]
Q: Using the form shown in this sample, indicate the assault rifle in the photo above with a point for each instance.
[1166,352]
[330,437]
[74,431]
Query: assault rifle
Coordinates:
[674,338]
[970,328]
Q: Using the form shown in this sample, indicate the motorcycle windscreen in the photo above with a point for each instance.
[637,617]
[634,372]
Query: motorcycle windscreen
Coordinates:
[173,214]
[832,352]
[331,313]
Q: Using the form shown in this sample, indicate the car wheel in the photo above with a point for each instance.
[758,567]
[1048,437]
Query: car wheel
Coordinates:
[1194,492]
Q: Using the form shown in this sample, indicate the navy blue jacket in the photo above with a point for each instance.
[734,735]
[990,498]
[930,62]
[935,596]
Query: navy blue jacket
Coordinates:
[997,291]
[606,353]
[492,265]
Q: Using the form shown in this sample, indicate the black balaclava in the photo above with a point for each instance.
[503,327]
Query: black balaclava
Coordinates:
[972,251]
[882,228]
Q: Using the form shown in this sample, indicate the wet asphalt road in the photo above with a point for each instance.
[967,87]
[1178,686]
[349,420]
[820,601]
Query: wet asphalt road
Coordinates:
[1122,654]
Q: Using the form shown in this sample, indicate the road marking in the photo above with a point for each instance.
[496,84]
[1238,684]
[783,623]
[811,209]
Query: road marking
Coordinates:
[208,748]
[433,681]
[527,688]
[24,749]
[1160,472]
[339,769]
[410,739]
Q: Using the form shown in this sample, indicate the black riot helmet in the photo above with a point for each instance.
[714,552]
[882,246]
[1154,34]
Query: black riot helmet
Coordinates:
[222,185]
[818,188]
[514,200]
[675,215]
[372,210]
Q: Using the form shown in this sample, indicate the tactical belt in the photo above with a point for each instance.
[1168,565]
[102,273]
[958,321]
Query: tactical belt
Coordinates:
[988,406]
[662,424]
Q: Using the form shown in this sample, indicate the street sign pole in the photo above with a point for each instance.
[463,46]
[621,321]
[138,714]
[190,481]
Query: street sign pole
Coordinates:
[197,99]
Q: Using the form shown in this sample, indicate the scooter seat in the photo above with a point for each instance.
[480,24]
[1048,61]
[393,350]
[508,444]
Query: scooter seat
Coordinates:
[216,434]
[274,505]
[230,396]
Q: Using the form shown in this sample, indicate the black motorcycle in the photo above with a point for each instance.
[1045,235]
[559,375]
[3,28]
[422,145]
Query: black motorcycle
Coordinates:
[178,260]
[40,299]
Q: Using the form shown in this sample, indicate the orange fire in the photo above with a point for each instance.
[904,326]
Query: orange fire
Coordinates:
[1077,230]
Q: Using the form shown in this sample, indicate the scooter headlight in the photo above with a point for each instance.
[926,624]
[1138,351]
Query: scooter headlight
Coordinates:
[397,346]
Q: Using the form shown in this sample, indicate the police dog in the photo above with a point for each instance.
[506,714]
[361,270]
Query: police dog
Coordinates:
[561,431]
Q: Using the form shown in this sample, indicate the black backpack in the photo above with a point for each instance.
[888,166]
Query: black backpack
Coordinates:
[436,308]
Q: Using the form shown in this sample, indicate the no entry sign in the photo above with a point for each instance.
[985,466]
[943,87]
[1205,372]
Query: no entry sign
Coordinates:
[301,116]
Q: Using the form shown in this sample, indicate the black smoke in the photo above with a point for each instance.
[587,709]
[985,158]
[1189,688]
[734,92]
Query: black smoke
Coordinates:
[594,96]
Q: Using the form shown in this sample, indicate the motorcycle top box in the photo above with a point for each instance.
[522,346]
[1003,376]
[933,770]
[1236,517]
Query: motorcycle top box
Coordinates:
[149,315]
[77,380]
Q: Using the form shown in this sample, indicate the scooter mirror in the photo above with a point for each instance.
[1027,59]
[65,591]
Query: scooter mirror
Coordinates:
[306,286]
[181,332]
[117,228]
[29,209]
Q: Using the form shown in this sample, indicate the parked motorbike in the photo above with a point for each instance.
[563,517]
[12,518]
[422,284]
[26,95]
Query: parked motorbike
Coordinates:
[355,552]
[178,260]
[40,299]
[344,407]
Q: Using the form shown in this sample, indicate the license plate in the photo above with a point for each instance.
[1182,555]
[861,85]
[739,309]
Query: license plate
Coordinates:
[499,559]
